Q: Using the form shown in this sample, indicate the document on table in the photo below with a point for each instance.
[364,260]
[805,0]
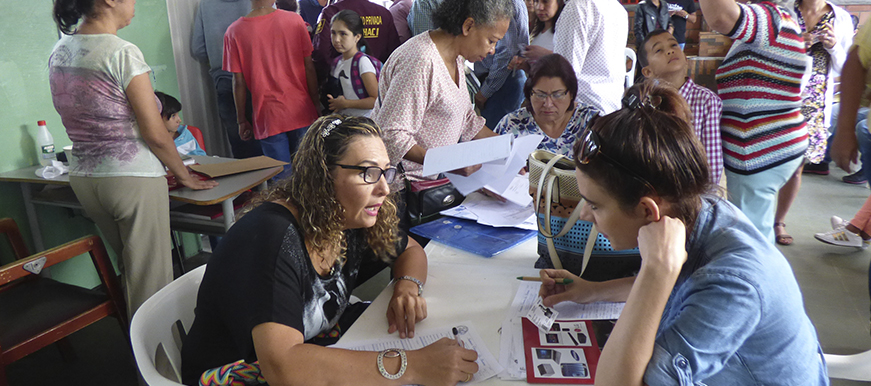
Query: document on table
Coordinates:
[488,366]
[511,352]
[490,211]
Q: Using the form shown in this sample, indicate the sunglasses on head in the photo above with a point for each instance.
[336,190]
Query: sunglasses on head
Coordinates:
[591,147]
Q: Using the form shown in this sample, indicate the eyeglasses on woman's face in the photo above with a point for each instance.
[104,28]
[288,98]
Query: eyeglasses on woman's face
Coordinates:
[371,174]
[554,96]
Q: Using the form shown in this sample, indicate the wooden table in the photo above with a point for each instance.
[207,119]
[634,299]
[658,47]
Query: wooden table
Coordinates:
[60,194]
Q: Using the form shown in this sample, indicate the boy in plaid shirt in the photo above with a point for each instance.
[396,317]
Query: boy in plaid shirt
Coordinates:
[660,57]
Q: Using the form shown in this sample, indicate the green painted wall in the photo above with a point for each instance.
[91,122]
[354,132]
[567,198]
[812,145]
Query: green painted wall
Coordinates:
[29,34]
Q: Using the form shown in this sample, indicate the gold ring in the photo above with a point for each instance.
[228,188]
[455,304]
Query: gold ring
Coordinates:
[468,378]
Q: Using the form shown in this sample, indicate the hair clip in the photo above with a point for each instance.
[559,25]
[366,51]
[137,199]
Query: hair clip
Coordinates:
[630,101]
[332,125]
[652,101]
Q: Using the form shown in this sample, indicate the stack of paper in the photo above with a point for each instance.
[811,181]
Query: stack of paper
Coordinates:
[511,353]
[490,211]
[501,158]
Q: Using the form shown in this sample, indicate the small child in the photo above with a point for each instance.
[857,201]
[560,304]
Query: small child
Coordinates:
[356,72]
[185,142]
[660,57]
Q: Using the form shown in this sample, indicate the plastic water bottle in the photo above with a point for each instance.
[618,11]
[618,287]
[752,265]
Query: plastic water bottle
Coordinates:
[44,144]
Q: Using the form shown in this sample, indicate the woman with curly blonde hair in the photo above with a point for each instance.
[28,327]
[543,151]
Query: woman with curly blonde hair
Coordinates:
[278,286]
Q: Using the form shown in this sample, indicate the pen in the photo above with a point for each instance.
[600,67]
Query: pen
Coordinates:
[536,278]
[457,336]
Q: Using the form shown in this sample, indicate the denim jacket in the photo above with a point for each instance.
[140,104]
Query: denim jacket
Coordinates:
[735,316]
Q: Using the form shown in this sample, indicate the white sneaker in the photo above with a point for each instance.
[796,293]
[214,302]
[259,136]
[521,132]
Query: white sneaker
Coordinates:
[842,237]
[838,222]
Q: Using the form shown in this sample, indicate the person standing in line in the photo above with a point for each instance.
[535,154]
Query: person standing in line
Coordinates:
[651,15]
[379,32]
[207,45]
[684,12]
[269,53]
[501,90]
[399,9]
[592,35]
[768,43]
[101,89]
[827,30]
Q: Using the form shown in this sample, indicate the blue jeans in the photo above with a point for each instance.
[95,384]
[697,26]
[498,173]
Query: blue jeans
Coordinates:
[506,100]
[282,147]
[227,112]
[864,139]
[756,194]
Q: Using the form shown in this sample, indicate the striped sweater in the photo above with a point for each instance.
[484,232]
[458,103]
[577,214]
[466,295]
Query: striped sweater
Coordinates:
[760,84]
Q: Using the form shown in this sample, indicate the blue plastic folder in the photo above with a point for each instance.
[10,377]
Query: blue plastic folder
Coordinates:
[472,237]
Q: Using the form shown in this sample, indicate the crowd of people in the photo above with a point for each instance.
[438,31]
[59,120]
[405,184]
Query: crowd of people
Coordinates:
[352,95]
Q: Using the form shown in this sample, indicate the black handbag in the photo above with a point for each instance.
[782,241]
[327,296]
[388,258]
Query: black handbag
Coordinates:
[333,87]
[425,199]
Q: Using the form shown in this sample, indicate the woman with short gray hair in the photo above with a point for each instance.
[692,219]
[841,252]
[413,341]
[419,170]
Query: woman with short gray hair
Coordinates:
[423,101]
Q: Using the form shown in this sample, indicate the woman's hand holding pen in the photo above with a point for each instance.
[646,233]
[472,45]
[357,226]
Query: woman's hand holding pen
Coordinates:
[444,362]
[406,308]
[552,293]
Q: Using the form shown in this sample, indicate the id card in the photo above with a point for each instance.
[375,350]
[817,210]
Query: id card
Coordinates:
[541,316]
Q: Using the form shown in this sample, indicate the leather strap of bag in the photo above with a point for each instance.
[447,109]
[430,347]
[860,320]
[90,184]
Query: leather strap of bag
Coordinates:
[570,222]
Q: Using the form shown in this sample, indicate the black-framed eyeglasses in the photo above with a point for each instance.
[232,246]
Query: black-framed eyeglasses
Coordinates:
[371,174]
[591,146]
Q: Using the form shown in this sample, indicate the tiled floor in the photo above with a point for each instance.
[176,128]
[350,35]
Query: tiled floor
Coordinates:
[834,282]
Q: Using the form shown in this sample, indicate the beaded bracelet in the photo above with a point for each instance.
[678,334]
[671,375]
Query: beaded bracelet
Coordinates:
[396,352]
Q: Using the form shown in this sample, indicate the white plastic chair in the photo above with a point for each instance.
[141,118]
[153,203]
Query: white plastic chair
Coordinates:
[855,367]
[630,74]
[154,330]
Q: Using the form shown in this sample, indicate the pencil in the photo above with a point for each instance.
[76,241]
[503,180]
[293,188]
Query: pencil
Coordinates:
[536,278]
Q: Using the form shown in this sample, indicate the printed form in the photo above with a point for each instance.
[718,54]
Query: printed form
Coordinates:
[488,366]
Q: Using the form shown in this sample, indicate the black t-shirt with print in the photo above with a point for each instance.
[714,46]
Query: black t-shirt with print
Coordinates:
[259,273]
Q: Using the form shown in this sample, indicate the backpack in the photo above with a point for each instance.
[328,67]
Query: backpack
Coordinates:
[356,79]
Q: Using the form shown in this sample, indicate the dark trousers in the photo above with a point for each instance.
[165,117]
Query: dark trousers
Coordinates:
[227,112]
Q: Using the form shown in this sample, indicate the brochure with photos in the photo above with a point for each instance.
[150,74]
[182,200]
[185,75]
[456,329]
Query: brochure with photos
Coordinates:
[566,354]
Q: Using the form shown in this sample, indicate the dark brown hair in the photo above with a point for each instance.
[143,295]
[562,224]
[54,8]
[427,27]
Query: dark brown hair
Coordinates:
[538,26]
[311,187]
[654,139]
[642,50]
[68,13]
[551,66]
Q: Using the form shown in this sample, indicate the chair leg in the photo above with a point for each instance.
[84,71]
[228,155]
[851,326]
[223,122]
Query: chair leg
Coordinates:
[67,352]
[179,250]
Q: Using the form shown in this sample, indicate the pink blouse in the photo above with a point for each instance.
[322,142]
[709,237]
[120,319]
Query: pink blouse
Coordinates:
[419,103]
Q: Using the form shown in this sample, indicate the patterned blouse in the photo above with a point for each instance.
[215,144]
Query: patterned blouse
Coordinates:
[521,123]
[420,104]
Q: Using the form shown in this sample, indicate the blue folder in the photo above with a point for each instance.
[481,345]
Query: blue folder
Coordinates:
[470,236]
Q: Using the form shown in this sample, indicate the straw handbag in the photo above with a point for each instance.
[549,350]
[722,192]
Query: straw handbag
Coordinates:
[564,241]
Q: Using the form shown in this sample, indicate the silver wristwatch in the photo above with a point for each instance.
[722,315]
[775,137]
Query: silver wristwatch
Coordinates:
[415,281]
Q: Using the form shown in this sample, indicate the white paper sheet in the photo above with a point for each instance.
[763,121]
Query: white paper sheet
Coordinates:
[492,212]
[447,158]
[500,174]
[488,366]
[568,310]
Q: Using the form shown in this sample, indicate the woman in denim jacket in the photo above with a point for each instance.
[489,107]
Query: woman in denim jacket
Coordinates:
[714,302]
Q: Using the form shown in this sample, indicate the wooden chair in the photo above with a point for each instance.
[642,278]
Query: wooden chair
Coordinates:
[39,311]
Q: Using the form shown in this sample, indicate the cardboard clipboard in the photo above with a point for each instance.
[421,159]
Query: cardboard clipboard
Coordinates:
[236,166]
